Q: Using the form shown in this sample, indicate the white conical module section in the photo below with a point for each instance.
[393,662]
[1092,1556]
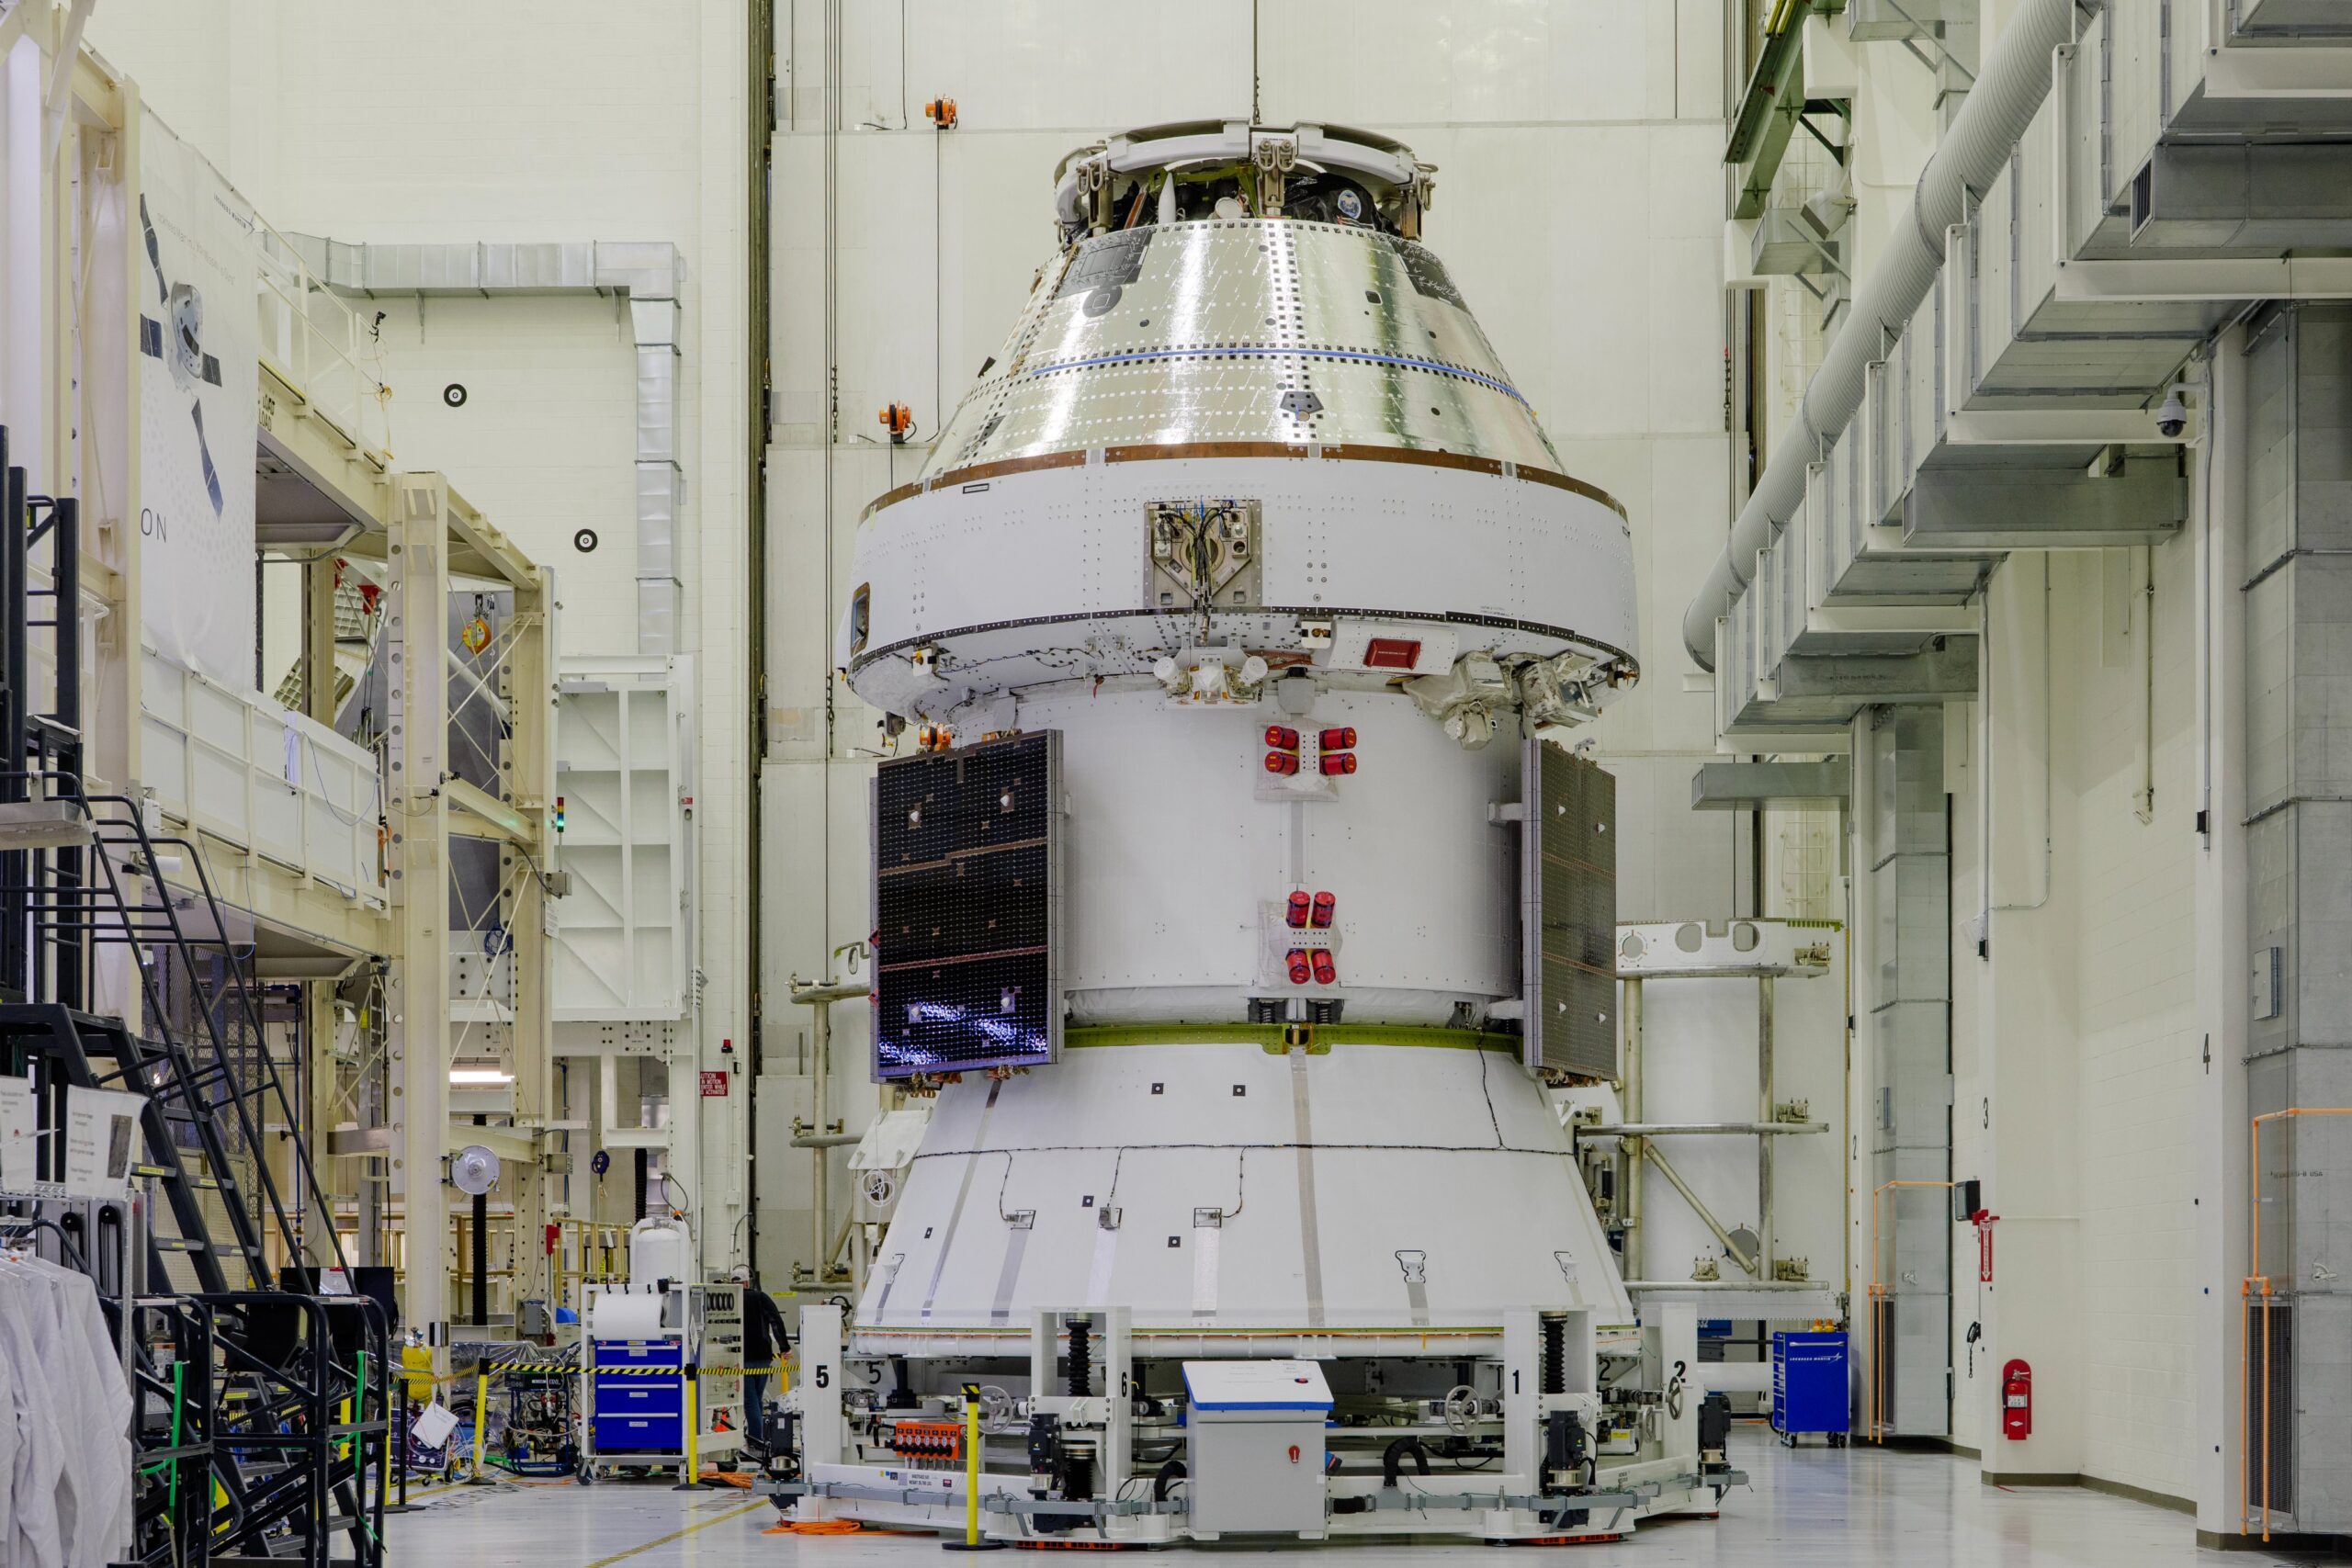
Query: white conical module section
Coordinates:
[1238,1198]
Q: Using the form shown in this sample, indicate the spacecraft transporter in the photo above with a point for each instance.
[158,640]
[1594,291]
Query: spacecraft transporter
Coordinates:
[1239,899]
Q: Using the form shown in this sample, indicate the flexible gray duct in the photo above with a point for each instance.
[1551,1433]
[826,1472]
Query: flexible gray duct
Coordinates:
[2002,102]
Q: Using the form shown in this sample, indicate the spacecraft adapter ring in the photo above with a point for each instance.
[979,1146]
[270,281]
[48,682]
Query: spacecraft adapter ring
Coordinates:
[1608,651]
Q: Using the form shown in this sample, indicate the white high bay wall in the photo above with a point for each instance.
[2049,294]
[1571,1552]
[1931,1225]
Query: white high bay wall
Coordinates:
[441,121]
[1579,207]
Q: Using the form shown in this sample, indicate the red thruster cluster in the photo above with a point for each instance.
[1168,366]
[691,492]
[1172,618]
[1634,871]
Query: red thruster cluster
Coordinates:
[1310,911]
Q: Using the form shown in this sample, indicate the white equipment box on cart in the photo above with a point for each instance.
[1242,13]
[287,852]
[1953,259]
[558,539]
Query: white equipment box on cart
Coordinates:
[1255,1462]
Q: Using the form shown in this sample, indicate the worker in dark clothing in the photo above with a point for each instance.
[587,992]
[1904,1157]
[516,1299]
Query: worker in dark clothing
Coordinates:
[764,1344]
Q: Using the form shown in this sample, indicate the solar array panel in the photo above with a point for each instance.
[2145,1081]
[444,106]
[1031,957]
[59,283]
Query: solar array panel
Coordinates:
[1568,910]
[967,908]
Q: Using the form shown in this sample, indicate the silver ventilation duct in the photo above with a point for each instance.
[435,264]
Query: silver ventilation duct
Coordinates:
[648,274]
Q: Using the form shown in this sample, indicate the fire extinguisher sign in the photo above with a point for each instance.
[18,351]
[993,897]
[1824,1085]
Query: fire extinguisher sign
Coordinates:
[714,1086]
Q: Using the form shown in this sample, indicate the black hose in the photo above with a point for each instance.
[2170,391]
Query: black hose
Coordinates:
[1173,1471]
[1392,1460]
[1554,1367]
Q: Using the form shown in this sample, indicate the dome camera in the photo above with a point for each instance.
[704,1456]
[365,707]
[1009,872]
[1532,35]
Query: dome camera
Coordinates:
[2172,417]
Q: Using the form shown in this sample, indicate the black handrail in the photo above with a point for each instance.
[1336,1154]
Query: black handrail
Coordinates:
[123,828]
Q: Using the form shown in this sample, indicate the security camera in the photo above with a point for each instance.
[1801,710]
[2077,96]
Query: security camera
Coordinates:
[2172,418]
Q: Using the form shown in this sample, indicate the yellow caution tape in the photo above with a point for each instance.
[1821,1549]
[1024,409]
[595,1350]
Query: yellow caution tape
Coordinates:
[547,1369]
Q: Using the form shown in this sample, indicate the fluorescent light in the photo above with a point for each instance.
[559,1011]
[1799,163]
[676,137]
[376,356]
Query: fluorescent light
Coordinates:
[480,1075]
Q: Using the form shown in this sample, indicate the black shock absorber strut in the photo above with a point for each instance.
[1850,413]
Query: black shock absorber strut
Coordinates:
[1555,1368]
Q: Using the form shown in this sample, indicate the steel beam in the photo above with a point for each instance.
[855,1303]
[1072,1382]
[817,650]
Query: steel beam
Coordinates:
[478,814]
[1936,674]
[1689,1129]
[2272,277]
[2013,508]
[2060,427]
[1746,786]
[1769,111]
[1790,738]
[477,549]
[2302,72]
[2264,195]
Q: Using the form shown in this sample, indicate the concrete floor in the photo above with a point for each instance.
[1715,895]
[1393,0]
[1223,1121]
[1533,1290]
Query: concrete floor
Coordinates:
[1814,1506]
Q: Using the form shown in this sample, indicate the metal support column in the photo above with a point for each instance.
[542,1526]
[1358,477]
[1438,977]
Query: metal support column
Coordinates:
[529,772]
[818,997]
[416,989]
[1630,1210]
[1764,1115]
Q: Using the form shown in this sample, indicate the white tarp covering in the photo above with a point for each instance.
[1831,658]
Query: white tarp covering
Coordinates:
[199,365]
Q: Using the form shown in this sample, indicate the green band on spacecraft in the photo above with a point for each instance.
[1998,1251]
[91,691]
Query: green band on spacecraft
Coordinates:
[1273,1038]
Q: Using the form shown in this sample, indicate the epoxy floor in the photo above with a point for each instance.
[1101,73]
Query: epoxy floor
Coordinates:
[1812,1508]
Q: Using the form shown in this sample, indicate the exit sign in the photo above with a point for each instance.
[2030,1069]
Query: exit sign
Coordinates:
[714,1086]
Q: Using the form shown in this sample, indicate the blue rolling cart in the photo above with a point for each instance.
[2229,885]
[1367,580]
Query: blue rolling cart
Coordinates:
[1810,1387]
[636,1404]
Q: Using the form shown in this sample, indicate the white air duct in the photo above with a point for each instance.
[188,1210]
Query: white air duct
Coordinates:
[1999,106]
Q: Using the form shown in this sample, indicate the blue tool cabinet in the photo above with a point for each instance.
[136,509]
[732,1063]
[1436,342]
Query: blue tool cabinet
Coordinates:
[1810,1387]
[640,1409]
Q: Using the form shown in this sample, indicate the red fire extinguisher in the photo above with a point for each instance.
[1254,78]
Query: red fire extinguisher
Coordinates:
[2017,1402]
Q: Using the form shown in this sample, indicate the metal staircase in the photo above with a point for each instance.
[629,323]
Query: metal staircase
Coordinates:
[211,1094]
[295,1386]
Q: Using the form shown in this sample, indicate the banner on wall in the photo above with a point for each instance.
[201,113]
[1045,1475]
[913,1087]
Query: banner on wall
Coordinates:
[198,369]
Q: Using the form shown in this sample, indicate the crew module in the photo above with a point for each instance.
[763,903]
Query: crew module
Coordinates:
[1239,897]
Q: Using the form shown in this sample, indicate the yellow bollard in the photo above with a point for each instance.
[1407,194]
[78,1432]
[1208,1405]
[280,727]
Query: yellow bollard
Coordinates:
[691,1481]
[972,1542]
[481,1418]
